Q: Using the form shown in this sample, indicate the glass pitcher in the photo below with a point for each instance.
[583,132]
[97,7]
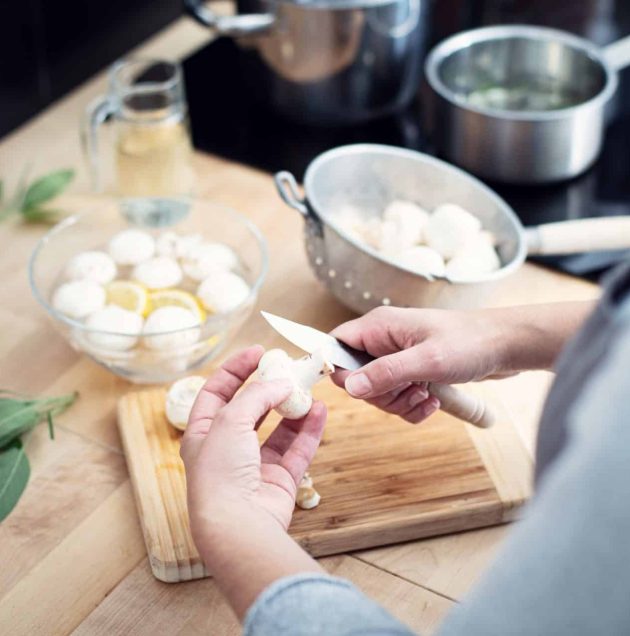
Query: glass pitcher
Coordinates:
[150,166]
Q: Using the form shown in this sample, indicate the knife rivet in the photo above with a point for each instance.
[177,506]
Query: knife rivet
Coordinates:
[319,260]
[332,273]
[367,295]
[387,301]
[348,284]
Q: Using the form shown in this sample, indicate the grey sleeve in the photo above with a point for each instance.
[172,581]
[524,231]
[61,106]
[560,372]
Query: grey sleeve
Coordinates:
[312,604]
[566,568]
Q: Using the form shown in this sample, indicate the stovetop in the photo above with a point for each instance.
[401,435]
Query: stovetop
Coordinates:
[228,122]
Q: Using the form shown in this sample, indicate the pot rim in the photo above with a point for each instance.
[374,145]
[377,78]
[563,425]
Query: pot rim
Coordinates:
[505,269]
[462,40]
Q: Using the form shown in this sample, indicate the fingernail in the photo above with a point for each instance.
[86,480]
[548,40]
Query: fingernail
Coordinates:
[417,396]
[358,385]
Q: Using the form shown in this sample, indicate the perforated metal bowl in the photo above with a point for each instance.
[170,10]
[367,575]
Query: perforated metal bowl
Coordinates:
[369,176]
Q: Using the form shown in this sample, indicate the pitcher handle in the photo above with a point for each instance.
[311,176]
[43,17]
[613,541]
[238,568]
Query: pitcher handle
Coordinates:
[232,25]
[95,114]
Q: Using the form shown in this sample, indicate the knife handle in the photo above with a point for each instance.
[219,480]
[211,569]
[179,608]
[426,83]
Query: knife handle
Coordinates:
[463,406]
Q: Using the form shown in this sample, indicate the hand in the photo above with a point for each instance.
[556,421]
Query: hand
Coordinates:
[417,346]
[229,477]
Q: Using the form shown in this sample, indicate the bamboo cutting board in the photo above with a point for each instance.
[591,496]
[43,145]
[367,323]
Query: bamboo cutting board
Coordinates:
[381,480]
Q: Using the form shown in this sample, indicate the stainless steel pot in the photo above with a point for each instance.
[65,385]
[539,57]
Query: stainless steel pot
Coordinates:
[328,61]
[369,176]
[522,104]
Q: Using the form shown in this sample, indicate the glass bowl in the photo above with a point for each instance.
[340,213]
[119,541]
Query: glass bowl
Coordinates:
[196,345]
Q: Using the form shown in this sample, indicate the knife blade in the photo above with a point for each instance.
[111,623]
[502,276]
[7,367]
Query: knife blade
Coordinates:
[464,406]
[310,339]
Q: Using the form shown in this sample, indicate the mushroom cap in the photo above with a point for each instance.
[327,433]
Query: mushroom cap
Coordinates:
[476,259]
[449,228]
[131,247]
[297,405]
[409,218]
[113,320]
[223,291]
[206,258]
[421,259]
[79,298]
[180,399]
[158,272]
[166,244]
[275,364]
[92,265]
[170,318]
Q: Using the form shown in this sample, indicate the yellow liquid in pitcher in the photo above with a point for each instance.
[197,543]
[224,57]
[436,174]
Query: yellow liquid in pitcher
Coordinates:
[154,160]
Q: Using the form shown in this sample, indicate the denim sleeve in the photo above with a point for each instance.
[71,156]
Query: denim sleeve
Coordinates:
[318,605]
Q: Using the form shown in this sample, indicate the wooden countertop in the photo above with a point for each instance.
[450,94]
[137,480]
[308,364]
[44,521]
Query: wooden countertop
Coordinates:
[72,552]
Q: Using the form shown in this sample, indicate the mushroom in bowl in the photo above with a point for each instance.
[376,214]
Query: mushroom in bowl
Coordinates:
[151,321]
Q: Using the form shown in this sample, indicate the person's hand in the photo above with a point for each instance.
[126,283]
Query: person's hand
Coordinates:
[417,346]
[230,479]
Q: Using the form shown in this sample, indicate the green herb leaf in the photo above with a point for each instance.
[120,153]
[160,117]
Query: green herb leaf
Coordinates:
[41,215]
[19,415]
[51,426]
[14,474]
[46,187]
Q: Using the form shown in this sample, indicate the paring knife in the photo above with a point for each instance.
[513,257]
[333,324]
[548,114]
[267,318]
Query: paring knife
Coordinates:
[464,406]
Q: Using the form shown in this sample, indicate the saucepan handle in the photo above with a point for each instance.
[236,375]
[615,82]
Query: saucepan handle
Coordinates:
[617,54]
[581,235]
[230,25]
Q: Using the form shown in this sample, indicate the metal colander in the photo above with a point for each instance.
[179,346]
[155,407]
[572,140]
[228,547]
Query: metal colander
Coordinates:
[369,177]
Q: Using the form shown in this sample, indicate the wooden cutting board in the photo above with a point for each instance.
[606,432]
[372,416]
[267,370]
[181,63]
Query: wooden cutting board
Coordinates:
[381,480]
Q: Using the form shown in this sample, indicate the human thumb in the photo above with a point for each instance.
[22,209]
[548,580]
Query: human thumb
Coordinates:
[389,372]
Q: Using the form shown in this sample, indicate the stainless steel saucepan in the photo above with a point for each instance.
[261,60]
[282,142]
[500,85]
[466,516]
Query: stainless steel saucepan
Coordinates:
[522,104]
[327,61]
[370,176]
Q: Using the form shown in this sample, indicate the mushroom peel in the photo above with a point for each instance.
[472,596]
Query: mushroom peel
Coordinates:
[303,373]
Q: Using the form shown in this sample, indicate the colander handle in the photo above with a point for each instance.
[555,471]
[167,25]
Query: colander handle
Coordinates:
[288,190]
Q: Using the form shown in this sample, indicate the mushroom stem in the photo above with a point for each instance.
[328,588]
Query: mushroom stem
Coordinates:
[303,373]
[311,369]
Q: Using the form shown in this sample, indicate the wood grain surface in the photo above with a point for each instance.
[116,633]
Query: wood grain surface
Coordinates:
[72,552]
[381,480]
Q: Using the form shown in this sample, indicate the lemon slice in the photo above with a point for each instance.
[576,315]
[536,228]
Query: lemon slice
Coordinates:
[129,295]
[177,298]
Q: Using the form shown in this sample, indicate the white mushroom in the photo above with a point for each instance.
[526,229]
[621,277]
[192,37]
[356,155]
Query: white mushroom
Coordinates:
[176,245]
[409,218]
[166,244]
[450,228]
[79,298]
[186,244]
[106,324]
[476,259]
[182,324]
[306,481]
[180,399]
[421,259]
[303,373]
[307,497]
[223,291]
[207,258]
[131,247]
[96,266]
[158,272]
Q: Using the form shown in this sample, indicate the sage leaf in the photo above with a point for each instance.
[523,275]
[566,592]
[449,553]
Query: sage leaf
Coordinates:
[14,474]
[18,414]
[46,187]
